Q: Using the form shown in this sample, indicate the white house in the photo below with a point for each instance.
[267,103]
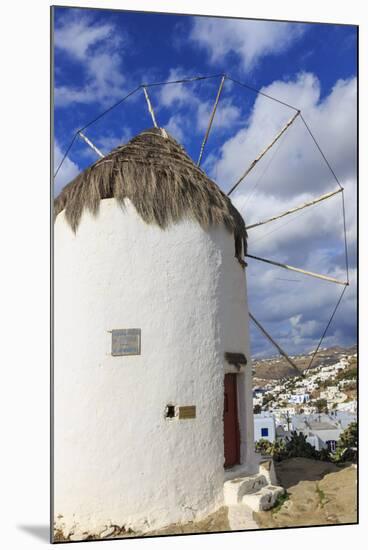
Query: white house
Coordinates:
[322,430]
[264,427]
[150,333]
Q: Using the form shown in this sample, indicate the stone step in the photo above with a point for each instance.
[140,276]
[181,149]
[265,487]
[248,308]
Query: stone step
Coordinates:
[235,489]
[264,499]
[267,468]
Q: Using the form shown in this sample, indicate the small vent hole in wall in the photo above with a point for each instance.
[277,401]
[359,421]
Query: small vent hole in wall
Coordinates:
[170,411]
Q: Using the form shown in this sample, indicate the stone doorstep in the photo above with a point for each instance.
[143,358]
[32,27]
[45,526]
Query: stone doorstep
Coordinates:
[258,492]
[235,489]
[264,499]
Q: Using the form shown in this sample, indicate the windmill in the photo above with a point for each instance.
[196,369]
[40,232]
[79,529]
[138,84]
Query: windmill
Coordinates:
[145,239]
[296,114]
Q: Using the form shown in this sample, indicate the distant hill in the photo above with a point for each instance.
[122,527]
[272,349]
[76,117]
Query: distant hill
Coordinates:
[276,368]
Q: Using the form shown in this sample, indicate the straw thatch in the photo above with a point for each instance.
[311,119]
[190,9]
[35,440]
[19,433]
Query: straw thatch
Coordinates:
[155,173]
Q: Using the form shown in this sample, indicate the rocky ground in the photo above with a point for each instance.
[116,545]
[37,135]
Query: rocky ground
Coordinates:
[319,493]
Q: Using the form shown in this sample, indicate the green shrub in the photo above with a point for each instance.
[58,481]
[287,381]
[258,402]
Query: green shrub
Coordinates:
[264,447]
[297,445]
[349,437]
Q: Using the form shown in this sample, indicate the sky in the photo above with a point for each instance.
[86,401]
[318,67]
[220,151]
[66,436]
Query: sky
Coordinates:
[100,56]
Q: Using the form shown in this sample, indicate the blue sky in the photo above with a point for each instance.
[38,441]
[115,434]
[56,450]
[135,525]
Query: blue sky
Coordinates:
[102,55]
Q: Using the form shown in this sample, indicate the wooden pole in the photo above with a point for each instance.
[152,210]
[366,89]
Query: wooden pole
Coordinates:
[211,120]
[150,107]
[300,207]
[253,164]
[91,145]
[298,270]
[269,337]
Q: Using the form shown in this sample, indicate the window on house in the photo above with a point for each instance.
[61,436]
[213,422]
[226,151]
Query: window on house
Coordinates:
[264,432]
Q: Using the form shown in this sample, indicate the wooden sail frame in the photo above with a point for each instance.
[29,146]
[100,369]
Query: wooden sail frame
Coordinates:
[212,116]
[241,179]
[150,108]
[299,270]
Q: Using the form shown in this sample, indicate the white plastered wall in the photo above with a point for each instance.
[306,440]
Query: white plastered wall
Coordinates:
[117,459]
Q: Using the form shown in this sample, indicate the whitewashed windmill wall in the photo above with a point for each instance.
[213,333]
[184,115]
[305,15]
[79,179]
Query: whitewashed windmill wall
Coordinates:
[118,459]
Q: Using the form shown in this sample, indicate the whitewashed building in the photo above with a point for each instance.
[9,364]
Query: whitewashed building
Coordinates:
[264,427]
[151,330]
[299,398]
[323,430]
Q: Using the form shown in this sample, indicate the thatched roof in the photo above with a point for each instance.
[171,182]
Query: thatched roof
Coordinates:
[155,173]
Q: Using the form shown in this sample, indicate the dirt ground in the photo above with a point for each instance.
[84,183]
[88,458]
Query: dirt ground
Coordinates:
[320,493]
[216,522]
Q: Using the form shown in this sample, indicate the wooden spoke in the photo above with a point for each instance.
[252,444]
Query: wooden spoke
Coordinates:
[211,120]
[262,154]
[299,270]
[90,144]
[277,346]
[296,208]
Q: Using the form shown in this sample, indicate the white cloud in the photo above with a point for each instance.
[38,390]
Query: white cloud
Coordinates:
[176,94]
[94,47]
[249,40]
[227,115]
[108,142]
[176,127]
[191,111]
[77,36]
[295,309]
[68,171]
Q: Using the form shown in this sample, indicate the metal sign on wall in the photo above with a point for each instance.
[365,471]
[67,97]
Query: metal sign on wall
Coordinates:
[126,341]
[189,411]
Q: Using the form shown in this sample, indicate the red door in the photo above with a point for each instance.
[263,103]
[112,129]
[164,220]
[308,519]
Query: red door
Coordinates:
[231,425]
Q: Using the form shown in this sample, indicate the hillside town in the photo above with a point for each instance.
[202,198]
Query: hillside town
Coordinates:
[320,403]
